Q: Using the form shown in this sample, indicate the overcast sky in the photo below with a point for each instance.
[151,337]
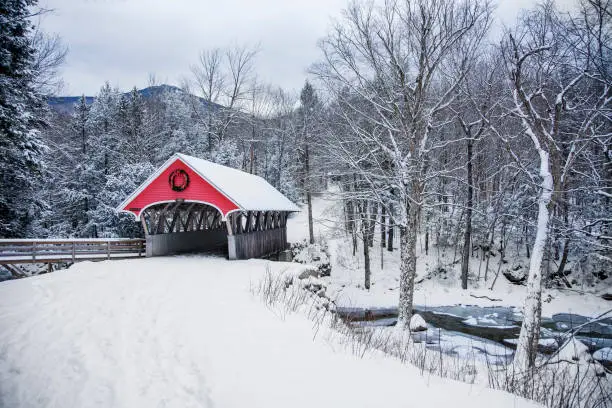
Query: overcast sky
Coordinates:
[122,41]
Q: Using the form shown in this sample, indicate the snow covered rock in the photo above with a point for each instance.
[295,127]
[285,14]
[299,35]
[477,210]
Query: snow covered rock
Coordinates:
[309,273]
[285,256]
[312,254]
[548,344]
[517,274]
[544,345]
[417,323]
[573,350]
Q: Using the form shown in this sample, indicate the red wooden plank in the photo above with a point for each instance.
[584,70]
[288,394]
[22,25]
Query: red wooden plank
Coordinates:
[160,190]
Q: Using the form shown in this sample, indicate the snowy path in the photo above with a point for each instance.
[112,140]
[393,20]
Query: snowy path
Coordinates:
[186,332]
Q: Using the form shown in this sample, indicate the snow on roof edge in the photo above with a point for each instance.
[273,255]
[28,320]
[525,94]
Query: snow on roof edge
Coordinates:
[246,193]
[249,191]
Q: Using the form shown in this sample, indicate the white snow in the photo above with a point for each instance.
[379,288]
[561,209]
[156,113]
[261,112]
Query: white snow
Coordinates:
[485,322]
[604,354]
[417,323]
[248,191]
[548,342]
[573,350]
[187,332]
[345,286]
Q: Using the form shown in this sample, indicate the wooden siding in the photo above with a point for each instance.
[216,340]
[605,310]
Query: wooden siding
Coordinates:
[257,243]
[159,190]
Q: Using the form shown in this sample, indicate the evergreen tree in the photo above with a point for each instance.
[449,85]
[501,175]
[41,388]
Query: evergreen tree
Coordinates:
[21,111]
[103,117]
[77,184]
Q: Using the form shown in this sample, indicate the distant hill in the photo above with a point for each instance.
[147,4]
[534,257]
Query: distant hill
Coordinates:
[65,104]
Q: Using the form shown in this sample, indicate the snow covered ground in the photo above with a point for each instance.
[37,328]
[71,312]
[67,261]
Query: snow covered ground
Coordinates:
[345,285]
[187,332]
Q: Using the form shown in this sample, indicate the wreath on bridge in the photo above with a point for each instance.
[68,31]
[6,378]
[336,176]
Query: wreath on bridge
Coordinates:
[178,180]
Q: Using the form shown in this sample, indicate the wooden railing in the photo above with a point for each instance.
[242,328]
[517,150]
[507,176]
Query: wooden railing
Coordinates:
[18,251]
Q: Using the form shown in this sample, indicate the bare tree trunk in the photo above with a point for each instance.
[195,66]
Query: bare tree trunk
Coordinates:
[350,222]
[308,194]
[210,141]
[373,215]
[348,210]
[408,243]
[366,232]
[527,242]
[383,227]
[310,224]
[366,257]
[566,244]
[565,254]
[390,232]
[527,346]
[382,260]
[467,238]
[366,210]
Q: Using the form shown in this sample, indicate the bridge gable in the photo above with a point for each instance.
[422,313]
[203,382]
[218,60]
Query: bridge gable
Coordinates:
[178,181]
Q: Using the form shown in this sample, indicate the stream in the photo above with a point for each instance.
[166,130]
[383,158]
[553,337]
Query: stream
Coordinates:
[485,332]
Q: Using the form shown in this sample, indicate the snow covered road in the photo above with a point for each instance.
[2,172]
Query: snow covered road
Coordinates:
[187,332]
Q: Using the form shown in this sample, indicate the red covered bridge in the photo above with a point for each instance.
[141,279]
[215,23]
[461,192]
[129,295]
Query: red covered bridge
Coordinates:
[191,204]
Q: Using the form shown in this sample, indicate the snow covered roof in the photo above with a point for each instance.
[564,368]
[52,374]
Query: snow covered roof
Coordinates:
[247,191]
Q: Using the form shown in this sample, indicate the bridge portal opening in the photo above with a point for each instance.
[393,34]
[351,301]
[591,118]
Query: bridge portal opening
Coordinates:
[182,227]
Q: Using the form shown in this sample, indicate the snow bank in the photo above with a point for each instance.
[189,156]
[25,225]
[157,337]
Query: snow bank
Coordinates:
[187,332]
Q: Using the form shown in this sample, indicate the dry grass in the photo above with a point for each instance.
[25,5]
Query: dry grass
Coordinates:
[553,385]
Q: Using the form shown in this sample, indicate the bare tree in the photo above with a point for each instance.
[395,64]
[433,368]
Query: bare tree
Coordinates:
[223,78]
[50,54]
[473,110]
[395,58]
[560,95]
[284,130]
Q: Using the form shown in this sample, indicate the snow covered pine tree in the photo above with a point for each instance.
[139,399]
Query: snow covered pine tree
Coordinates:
[20,116]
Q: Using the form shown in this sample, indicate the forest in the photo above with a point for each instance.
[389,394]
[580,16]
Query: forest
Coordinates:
[418,119]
